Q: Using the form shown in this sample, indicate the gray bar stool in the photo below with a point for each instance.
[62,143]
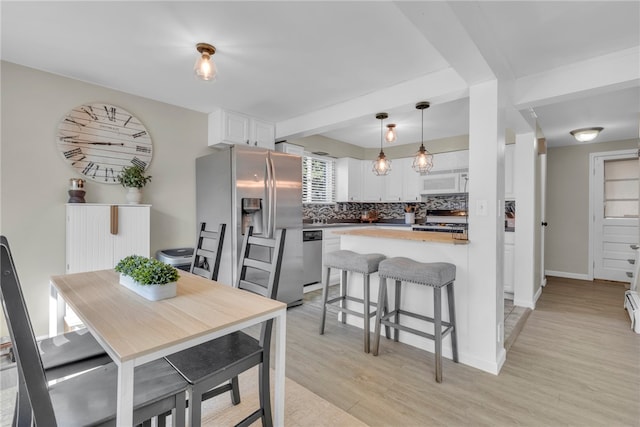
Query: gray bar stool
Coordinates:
[357,263]
[436,275]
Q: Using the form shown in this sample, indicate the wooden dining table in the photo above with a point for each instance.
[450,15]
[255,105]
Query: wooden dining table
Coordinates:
[134,330]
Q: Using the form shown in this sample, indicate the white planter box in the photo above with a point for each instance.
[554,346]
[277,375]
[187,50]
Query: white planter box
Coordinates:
[150,292]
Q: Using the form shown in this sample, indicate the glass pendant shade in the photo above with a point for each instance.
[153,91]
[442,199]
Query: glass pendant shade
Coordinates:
[390,134]
[381,165]
[205,68]
[423,161]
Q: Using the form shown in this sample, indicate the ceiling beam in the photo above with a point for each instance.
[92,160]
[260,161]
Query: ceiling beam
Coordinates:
[439,87]
[602,74]
[446,27]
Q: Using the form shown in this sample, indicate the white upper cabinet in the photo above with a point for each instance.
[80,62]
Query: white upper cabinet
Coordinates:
[509,169]
[372,185]
[393,182]
[228,127]
[348,180]
[411,182]
[285,147]
[451,161]
[263,134]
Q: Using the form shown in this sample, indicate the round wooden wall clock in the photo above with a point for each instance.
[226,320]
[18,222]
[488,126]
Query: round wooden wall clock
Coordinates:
[99,139]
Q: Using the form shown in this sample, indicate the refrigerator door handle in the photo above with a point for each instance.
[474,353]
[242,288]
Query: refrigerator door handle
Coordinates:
[274,198]
[269,185]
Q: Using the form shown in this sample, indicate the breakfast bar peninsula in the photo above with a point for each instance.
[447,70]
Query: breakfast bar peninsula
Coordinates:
[420,246]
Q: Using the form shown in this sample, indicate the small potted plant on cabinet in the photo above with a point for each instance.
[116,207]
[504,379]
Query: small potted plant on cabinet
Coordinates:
[133,178]
[148,277]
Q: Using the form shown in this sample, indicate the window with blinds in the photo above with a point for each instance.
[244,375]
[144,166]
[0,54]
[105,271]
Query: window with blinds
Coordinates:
[318,180]
[621,188]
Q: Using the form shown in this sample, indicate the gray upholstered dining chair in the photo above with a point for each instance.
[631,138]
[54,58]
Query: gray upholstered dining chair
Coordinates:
[87,399]
[223,359]
[208,251]
[62,355]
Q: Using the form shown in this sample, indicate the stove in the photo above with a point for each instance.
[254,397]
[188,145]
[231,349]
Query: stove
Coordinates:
[444,221]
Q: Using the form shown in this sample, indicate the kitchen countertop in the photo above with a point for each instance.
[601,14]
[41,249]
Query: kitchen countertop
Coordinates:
[422,236]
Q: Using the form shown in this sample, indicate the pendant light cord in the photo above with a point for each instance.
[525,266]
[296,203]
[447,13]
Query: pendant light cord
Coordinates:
[381,131]
[422,129]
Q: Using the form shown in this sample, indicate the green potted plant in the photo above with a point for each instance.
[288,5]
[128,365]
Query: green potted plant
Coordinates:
[148,277]
[133,178]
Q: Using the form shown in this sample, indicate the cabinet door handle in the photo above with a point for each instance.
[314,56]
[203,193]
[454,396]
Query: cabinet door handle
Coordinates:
[255,143]
[114,220]
[247,142]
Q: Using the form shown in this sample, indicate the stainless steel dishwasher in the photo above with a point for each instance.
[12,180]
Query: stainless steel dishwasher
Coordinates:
[311,256]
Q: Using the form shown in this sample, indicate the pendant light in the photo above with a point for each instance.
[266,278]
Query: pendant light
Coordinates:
[381,165]
[423,160]
[205,68]
[390,134]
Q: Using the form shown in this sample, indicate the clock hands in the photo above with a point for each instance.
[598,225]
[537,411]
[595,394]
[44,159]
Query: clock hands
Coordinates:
[76,140]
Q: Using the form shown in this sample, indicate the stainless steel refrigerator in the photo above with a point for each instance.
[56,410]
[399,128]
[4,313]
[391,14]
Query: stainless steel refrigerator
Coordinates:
[242,186]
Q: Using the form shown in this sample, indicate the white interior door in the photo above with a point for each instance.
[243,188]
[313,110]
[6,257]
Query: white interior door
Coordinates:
[614,194]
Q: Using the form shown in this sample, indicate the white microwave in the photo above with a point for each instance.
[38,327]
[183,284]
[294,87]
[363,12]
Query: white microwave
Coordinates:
[445,183]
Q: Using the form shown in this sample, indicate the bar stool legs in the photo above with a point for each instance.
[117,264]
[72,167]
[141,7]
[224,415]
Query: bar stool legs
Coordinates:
[434,275]
[364,264]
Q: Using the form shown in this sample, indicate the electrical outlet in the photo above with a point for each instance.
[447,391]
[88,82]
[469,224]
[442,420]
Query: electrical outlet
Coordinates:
[481,207]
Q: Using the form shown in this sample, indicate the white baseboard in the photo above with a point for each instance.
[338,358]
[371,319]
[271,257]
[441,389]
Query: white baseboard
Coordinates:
[567,275]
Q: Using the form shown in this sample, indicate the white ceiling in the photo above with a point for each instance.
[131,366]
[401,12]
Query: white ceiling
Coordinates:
[281,61]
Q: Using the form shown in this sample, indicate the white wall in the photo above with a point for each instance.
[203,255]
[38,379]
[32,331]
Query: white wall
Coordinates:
[34,177]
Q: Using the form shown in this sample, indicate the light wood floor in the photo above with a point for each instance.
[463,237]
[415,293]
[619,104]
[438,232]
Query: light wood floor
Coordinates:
[576,362]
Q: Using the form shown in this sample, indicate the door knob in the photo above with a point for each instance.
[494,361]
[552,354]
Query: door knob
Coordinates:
[544,223]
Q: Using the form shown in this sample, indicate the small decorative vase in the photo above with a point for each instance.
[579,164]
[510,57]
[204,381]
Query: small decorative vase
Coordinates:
[76,190]
[150,292]
[134,196]
[409,217]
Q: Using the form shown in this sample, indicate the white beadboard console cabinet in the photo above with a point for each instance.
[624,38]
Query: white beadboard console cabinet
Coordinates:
[97,237]
[100,235]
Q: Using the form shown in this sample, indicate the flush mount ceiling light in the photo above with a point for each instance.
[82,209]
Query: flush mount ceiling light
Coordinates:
[205,68]
[423,160]
[381,165]
[390,134]
[586,134]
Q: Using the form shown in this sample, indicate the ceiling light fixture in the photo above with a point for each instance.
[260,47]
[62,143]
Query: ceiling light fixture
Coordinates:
[586,134]
[381,165]
[390,134]
[205,68]
[423,160]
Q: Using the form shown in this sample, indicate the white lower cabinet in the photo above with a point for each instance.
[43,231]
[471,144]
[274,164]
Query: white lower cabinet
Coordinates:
[509,260]
[330,243]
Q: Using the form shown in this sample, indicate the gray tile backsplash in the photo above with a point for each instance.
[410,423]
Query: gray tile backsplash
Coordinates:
[386,211]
